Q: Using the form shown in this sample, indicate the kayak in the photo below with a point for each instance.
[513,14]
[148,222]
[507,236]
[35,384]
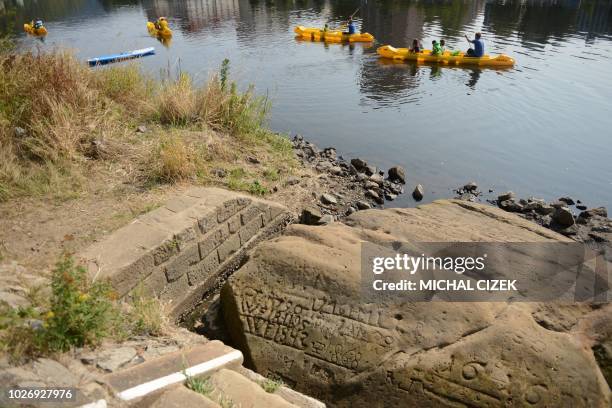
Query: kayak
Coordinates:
[403,54]
[28,28]
[107,59]
[316,34]
[165,32]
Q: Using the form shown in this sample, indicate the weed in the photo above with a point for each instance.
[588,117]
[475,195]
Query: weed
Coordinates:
[146,314]
[198,384]
[172,160]
[271,174]
[256,188]
[79,313]
[224,73]
[271,385]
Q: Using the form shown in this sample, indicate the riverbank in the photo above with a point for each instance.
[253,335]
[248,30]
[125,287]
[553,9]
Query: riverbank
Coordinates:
[68,184]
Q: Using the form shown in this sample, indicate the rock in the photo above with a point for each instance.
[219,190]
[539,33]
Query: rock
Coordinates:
[326,219]
[292,180]
[328,199]
[141,129]
[113,359]
[567,200]
[444,354]
[20,132]
[372,194]
[371,170]
[12,299]
[336,170]
[311,216]
[54,373]
[323,166]
[329,152]
[563,217]
[545,209]
[377,178]
[558,204]
[97,149]
[221,173]
[467,197]
[510,206]
[600,211]
[505,196]
[581,207]
[359,165]
[470,187]
[350,210]
[253,159]
[310,151]
[390,196]
[370,185]
[397,174]
[418,192]
[362,205]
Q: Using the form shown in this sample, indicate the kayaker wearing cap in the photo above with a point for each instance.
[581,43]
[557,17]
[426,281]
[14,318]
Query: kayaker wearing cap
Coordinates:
[478,50]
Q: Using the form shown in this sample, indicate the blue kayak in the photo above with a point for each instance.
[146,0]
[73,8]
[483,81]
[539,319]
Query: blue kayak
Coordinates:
[107,59]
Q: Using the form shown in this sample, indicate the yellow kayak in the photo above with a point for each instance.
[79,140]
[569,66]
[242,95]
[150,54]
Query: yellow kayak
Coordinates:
[165,31]
[403,54]
[316,34]
[28,28]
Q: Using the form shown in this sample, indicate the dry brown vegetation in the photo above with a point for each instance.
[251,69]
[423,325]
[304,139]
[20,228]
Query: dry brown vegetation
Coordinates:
[62,122]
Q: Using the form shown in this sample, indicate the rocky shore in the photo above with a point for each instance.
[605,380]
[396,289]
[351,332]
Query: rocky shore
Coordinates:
[354,184]
[566,216]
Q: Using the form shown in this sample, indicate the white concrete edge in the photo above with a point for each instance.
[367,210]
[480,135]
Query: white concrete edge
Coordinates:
[162,382]
[101,403]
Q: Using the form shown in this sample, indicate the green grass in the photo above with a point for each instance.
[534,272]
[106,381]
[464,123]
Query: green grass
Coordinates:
[200,385]
[271,385]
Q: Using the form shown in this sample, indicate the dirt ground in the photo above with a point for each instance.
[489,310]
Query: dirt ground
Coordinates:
[34,232]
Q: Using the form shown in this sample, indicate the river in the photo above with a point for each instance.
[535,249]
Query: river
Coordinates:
[542,128]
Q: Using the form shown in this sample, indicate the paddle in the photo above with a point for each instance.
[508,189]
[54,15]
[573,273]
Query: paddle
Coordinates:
[343,26]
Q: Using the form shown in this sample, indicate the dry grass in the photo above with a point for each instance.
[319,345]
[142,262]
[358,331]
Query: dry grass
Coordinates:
[61,121]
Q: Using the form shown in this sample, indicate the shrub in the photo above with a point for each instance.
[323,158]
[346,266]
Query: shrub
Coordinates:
[79,313]
[173,159]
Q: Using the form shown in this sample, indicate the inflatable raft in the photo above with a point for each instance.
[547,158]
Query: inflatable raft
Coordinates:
[164,32]
[28,28]
[403,54]
[316,34]
[107,59]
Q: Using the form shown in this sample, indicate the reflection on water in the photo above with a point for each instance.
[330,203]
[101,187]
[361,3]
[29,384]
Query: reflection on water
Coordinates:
[540,128]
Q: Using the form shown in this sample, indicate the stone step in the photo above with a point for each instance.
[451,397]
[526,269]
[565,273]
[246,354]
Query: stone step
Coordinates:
[292,396]
[143,383]
[180,396]
[235,390]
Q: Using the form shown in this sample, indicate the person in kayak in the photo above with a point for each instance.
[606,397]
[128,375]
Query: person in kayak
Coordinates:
[478,50]
[443,46]
[436,48]
[416,46]
[158,24]
[351,27]
[37,24]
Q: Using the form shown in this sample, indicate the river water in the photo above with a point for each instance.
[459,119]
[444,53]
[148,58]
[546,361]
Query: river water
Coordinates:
[542,128]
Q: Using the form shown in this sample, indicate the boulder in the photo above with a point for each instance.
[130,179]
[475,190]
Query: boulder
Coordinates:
[470,187]
[311,216]
[563,217]
[328,199]
[359,165]
[362,205]
[398,174]
[418,192]
[567,200]
[505,196]
[296,309]
[600,211]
